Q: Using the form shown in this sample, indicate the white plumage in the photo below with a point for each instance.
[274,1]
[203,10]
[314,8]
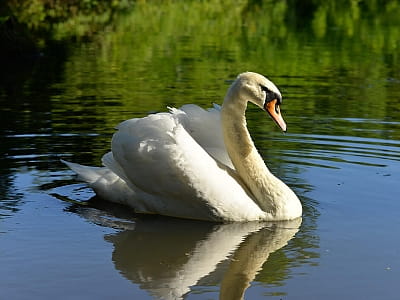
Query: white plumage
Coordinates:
[195,163]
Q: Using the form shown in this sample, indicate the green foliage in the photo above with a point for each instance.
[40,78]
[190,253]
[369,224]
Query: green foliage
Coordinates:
[66,19]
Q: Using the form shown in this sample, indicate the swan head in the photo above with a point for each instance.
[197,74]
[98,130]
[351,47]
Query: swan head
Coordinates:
[262,92]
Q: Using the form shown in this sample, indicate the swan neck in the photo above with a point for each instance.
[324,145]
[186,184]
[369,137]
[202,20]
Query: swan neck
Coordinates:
[244,155]
[273,196]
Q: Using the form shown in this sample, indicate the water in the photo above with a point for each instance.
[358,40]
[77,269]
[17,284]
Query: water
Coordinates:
[341,155]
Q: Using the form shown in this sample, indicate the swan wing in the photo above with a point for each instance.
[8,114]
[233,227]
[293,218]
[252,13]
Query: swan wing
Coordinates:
[158,156]
[205,128]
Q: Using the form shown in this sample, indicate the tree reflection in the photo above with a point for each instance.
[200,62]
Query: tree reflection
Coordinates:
[359,20]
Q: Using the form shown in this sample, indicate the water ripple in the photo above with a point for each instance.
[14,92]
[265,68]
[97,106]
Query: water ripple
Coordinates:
[332,151]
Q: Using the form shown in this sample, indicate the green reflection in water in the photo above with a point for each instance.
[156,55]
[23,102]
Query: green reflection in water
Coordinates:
[182,52]
[329,58]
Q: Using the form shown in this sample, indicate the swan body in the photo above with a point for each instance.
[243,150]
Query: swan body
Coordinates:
[195,163]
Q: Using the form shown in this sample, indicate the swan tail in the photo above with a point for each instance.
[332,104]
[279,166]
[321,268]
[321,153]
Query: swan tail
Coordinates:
[85,173]
[106,184]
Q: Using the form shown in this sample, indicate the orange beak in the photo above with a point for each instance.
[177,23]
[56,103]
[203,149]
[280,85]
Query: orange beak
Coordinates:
[272,107]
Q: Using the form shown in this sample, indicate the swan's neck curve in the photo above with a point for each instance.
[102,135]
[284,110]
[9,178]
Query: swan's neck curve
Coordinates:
[270,193]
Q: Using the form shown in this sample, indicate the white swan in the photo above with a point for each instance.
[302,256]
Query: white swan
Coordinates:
[197,164]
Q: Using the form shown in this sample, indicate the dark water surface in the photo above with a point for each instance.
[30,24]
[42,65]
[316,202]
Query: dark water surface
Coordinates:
[338,71]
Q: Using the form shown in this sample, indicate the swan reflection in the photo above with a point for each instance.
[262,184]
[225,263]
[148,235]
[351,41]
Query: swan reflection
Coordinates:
[167,256]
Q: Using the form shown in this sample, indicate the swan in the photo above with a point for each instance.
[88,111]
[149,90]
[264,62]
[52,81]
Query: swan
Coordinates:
[195,163]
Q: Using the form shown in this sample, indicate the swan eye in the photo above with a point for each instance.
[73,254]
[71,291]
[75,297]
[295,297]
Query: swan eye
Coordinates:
[270,95]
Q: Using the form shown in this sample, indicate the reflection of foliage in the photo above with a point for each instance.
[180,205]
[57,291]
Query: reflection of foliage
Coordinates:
[176,42]
[360,19]
[176,52]
[162,53]
[67,18]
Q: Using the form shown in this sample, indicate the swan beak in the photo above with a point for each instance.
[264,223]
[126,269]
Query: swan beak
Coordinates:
[272,107]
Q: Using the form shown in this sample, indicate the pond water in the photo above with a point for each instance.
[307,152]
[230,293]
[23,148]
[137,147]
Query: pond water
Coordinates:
[337,68]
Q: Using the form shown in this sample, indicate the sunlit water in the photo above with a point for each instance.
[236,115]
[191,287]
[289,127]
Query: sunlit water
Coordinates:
[341,155]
